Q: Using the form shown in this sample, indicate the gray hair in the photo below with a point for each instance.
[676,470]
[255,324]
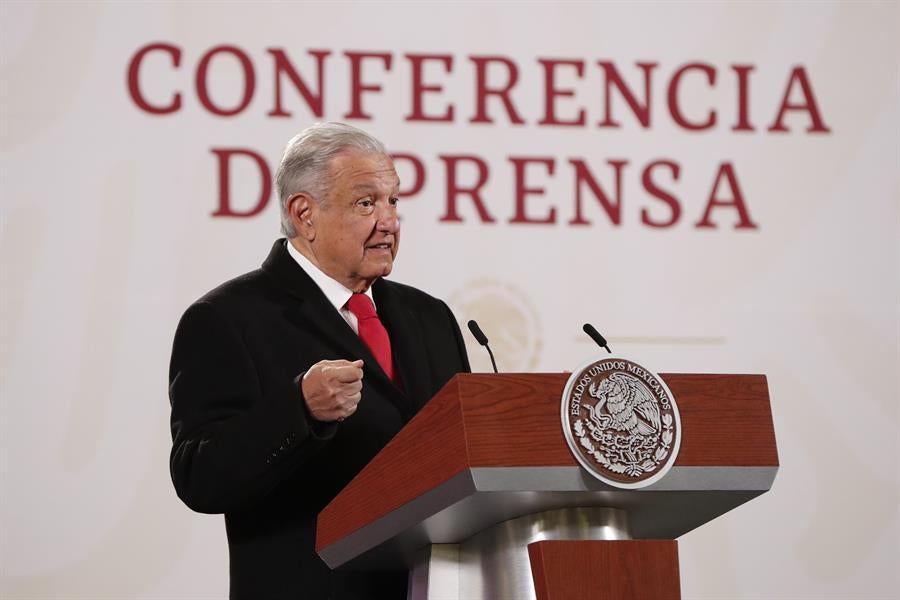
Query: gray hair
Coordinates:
[307,157]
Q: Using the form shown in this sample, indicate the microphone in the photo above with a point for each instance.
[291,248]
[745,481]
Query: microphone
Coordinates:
[595,335]
[482,339]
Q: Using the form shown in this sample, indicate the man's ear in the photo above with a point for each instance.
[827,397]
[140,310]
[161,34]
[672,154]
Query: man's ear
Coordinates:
[301,208]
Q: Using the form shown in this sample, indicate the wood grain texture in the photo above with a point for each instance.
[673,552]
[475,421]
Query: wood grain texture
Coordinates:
[726,420]
[430,450]
[513,420]
[605,570]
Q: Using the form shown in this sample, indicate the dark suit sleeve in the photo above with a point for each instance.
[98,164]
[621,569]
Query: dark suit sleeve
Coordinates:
[230,445]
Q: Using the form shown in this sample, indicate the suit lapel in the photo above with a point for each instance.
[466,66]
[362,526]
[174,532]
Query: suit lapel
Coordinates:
[313,312]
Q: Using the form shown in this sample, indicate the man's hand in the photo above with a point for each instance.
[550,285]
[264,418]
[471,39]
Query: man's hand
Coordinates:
[332,389]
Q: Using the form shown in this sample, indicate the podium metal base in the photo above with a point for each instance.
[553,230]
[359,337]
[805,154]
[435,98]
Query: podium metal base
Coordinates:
[494,564]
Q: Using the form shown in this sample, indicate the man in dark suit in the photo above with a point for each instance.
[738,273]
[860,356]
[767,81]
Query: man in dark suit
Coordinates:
[286,381]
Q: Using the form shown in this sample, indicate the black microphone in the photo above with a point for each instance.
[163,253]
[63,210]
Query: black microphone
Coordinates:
[482,339]
[595,335]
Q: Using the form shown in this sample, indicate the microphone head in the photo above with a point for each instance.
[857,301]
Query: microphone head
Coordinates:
[476,331]
[595,335]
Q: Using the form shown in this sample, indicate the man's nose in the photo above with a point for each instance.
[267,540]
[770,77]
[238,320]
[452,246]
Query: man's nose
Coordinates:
[388,221]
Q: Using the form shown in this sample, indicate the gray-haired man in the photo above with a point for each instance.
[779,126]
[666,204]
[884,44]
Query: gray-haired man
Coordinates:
[286,381]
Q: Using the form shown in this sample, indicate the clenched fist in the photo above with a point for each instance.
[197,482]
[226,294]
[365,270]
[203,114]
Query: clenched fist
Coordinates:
[332,389]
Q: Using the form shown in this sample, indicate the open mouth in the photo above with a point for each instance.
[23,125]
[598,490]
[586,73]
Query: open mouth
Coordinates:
[384,246]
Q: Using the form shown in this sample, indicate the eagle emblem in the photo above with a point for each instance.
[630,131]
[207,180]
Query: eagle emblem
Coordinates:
[621,422]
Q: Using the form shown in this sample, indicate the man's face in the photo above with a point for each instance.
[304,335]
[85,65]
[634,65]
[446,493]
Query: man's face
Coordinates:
[355,228]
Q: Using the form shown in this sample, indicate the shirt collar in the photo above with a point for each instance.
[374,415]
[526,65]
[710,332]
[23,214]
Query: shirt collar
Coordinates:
[334,290]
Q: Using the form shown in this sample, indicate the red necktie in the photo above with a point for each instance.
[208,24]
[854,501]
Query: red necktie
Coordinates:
[372,332]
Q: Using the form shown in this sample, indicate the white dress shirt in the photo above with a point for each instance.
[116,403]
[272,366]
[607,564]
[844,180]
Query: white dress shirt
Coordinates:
[335,291]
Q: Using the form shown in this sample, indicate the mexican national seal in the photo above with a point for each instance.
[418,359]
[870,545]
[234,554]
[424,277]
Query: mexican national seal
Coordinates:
[621,422]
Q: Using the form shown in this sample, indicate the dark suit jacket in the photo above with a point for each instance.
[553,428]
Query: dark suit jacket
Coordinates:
[243,442]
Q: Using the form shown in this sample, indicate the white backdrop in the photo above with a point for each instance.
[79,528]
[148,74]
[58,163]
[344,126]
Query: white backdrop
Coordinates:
[107,234]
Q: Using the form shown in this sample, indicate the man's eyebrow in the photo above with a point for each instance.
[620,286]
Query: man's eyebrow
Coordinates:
[366,187]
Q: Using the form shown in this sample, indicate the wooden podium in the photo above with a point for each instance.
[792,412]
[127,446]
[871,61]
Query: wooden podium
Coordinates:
[480,497]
